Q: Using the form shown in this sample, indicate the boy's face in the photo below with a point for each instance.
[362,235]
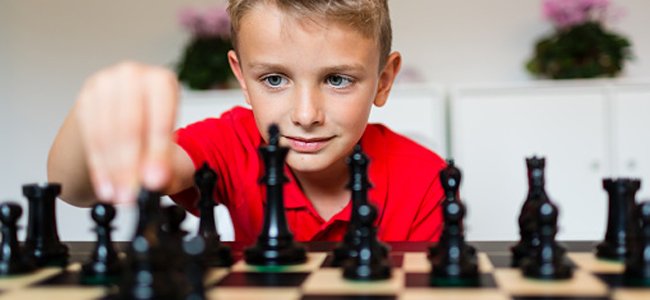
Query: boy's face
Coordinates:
[316,80]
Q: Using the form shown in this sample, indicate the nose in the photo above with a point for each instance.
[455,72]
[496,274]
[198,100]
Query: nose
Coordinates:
[307,108]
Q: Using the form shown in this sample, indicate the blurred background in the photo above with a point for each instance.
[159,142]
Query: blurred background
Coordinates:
[467,59]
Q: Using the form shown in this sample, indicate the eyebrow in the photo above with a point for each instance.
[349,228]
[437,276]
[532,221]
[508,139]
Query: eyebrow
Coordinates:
[260,66]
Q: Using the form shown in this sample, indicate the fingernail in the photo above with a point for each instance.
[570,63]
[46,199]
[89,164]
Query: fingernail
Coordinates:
[154,177]
[106,191]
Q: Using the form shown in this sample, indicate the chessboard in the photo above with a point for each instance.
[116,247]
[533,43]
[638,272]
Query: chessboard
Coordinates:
[318,279]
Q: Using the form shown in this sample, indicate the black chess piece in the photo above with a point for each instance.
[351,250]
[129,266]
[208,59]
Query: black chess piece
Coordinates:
[547,260]
[150,273]
[453,261]
[216,253]
[104,267]
[13,260]
[359,185]
[370,263]
[275,244]
[621,208]
[529,238]
[42,236]
[637,264]
[195,267]
[173,234]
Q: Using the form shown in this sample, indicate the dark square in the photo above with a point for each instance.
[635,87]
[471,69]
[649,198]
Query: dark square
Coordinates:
[348,297]
[616,280]
[396,261]
[500,261]
[486,280]
[503,260]
[262,279]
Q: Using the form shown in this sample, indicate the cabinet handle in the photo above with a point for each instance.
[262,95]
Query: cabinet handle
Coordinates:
[594,165]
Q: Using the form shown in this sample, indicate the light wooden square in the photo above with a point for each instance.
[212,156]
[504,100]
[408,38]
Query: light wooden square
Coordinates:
[452,294]
[314,261]
[588,261]
[331,282]
[19,281]
[581,284]
[229,293]
[56,293]
[631,294]
[417,262]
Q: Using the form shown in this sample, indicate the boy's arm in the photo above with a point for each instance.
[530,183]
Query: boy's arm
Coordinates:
[118,135]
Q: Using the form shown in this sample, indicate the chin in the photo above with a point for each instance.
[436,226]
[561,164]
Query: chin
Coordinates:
[307,162]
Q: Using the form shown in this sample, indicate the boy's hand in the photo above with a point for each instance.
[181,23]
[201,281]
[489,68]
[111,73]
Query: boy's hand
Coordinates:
[126,116]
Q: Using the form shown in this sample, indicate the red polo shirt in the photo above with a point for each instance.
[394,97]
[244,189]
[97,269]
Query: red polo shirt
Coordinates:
[406,189]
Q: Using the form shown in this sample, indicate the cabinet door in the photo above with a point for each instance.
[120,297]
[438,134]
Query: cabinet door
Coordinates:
[631,134]
[495,129]
[418,112]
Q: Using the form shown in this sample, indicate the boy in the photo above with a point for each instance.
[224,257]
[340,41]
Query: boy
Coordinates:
[315,68]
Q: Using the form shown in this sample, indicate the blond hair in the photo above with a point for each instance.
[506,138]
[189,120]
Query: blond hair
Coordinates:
[370,17]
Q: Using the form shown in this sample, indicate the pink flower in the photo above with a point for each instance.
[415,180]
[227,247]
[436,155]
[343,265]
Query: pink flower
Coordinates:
[567,13]
[211,22]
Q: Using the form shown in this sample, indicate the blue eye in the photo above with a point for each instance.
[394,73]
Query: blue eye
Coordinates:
[274,80]
[338,81]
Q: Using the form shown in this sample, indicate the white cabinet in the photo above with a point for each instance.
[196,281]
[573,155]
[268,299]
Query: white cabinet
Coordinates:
[631,133]
[494,129]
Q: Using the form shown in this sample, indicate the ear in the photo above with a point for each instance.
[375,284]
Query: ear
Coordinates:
[387,77]
[235,66]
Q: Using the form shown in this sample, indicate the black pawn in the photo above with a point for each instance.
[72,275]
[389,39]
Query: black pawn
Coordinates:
[275,244]
[453,261]
[529,238]
[370,263]
[548,260]
[359,185]
[42,236]
[216,253]
[637,264]
[620,217]
[13,260]
[104,267]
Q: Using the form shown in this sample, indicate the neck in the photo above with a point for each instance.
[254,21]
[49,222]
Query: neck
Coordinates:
[326,189]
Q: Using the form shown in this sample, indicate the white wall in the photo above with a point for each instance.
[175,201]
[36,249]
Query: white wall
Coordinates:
[47,48]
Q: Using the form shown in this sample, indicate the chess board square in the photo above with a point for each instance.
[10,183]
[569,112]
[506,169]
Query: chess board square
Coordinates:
[20,281]
[501,260]
[617,281]
[559,298]
[396,261]
[253,293]
[314,261]
[418,262]
[627,294]
[588,261]
[422,280]
[62,293]
[452,294]
[582,284]
[330,281]
[262,279]
[65,278]
[348,297]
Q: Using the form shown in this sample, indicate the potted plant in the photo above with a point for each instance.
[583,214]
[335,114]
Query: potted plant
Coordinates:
[581,46]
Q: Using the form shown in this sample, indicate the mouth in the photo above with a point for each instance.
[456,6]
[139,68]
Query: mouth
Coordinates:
[307,145]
